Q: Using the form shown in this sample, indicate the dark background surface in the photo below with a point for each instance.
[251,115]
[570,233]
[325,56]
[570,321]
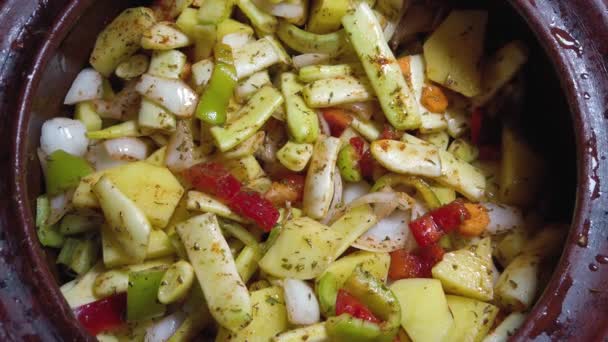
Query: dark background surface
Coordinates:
[573,33]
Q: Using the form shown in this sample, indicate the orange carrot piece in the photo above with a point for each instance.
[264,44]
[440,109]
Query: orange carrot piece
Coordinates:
[434,99]
[478,221]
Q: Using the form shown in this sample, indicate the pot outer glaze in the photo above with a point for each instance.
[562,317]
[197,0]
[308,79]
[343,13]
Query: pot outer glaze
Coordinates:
[40,54]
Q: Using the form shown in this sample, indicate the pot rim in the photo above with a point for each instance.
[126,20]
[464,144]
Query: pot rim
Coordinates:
[586,238]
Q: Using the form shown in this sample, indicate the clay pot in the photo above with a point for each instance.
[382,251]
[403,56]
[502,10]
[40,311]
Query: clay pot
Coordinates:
[44,43]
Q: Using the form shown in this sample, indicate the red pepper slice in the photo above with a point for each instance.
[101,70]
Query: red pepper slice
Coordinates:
[104,314]
[426,231]
[417,264]
[214,179]
[295,182]
[476,123]
[450,216]
[367,164]
[358,144]
[337,119]
[252,205]
[346,303]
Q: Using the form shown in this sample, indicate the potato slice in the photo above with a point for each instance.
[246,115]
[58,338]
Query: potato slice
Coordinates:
[468,271]
[156,194]
[472,319]
[453,52]
[303,250]
[425,315]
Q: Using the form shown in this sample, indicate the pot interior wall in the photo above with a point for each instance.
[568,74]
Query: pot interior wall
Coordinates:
[545,116]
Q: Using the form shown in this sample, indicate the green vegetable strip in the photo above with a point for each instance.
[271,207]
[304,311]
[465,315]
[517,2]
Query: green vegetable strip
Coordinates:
[313,73]
[142,294]
[250,119]
[214,11]
[247,262]
[327,291]
[261,20]
[331,92]
[348,328]
[212,105]
[239,232]
[307,42]
[396,98]
[302,121]
[380,299]
[64,171]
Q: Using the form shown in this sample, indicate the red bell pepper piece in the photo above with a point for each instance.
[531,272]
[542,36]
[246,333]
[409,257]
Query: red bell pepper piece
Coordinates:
[337,119]
[346,303]
[426,231]
[104,314]
[214,179]
[450,216]
[358,144]
[252,205]
[417,264]
[295,182]
[367,164]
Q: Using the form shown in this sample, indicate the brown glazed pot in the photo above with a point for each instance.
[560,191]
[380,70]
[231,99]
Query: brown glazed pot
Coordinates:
[44,43]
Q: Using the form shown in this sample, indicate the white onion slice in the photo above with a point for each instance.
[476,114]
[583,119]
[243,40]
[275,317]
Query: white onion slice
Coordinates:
[60,205]
[503,218]
[337,197]
[364,110]
[129,149]
[323,125]
[124,103]
[165,328]
[100,159]
[180,149]
[352,191]
[390,234]
[301,302]
[88,85]
[307,59]
[173,94]
[64,134]
[237,39]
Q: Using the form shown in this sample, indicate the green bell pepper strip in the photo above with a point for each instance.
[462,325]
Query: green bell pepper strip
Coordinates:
[348,328]
[423,188]
[142,302]
[307,42]
[47,235]
[79,254]
[212,105]
[327,291]
[64,171]
[348,164]
[381,301]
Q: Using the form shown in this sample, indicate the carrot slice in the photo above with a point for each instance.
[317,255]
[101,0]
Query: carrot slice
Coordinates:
[477,222]
[434,99]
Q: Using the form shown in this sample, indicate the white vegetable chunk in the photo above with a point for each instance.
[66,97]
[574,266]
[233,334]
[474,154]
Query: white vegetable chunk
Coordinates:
[88,85]
[407,158]
[319,180]
[301,302]
[64,134]
[173,94]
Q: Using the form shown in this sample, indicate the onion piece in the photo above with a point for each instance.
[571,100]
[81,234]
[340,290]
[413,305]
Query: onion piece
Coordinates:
[301,302]
[180,149]
[390,234]
[237,39]
[336,200]
[287,10]
[173,94]
[125,102]
[60,205]
[100,159]
[503,218]
[88,85]
[165,328]
[129,149]
[307,59]
[323,125]
[363,110]
[352,191]
[64,134]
